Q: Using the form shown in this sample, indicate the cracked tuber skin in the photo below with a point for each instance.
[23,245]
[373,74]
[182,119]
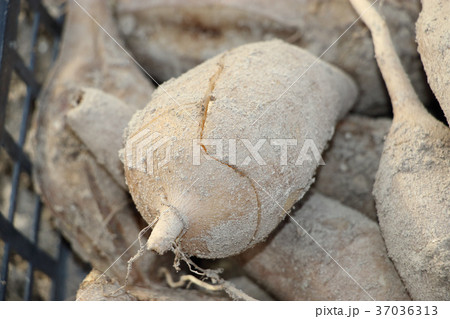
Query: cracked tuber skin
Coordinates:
[220,206]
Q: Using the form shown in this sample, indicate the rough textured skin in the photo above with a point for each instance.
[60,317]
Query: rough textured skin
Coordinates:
[168,44]
[412,193]
[351,162]
[251,288]
[93,212]
[223,203]
[105,288]
[412,187]
[433,38]
[96,288]
[99,120]
[293,267]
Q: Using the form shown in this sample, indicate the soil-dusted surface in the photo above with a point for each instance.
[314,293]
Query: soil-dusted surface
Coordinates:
[168,44]
[226,208]
[412,187]
[293,266]
[93,212]
[48,238]
[433,39]
[397,251]
[351,162]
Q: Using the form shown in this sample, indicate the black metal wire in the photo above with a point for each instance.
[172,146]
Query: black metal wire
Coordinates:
[59,278]
[8,33]
[11,61]
[34,240]
[10,11]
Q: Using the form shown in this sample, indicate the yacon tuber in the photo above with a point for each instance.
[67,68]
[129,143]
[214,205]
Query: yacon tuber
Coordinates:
[294,265]
[218,206]
[92,210]
[412,187]
[105,288]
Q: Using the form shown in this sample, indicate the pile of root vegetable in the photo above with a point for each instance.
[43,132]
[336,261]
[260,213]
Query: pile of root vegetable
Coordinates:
[266,164]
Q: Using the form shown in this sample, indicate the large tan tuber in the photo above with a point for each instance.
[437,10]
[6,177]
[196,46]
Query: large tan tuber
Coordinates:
[90,207]
[292,266]
[412,188]
[220,205]
[171,37]
[433,38]
[351,162]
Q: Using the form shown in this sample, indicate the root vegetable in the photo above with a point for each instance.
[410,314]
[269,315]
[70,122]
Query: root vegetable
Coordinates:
[231,270]
[351,162]
[168,44]
[108,289]
[433,38]
[412,188]
[249,287]
[99,120]
[218,206]
[93,212]
[292,266]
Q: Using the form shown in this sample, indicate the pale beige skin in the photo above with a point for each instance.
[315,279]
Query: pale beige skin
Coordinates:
[291,266]
[171,37]
[433,38]
[104,288]
[99,120]
[412,188]
[351,162]
[93,212]
[103,139]
[217,209]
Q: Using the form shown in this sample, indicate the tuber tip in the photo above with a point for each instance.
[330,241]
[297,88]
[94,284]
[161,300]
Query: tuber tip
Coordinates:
[166,231]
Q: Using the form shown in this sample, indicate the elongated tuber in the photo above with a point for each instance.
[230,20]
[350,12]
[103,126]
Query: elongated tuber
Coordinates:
[99,120]
[412,187]
[292,265]
[93,212]
[107,288]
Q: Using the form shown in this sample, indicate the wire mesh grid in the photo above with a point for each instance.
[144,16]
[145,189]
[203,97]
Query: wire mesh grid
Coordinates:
[18,246]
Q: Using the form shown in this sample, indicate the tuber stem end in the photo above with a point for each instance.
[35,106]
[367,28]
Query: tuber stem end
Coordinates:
[166,231]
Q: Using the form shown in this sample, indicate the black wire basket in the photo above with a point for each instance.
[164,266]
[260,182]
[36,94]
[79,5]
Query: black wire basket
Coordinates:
[15,242]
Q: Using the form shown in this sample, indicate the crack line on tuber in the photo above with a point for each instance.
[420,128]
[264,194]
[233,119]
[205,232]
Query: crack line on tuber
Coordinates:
[205,106]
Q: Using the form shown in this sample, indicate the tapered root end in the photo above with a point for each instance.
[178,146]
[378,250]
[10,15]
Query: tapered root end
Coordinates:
[166,231]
